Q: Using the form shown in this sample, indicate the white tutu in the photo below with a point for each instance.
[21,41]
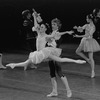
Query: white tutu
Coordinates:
[89,45]
[38,56]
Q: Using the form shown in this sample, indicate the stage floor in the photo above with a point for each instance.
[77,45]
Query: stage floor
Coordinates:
[34,84]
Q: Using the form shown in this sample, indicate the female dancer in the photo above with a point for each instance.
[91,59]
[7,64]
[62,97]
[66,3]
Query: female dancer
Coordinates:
[53,65]
[88,43]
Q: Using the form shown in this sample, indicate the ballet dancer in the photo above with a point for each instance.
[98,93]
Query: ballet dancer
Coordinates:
[29,34]
[53,65]
[42,53]
[88,43]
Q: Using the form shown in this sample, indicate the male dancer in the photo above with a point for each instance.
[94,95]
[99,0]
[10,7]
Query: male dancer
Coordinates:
[54,66]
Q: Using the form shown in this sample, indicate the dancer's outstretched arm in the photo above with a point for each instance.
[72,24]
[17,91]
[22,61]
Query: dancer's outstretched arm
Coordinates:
[66,32]
[56,58]
[81,36]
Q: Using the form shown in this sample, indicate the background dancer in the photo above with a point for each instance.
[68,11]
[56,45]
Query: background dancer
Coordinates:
[88,43]
[29,34]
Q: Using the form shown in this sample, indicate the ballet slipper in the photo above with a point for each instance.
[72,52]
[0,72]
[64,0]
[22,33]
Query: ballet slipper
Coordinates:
[52,94]
[92,74]
[11,65]
[69,94]
[81,61]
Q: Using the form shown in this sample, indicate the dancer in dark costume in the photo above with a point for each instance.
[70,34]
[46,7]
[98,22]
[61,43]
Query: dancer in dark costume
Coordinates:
[29,34]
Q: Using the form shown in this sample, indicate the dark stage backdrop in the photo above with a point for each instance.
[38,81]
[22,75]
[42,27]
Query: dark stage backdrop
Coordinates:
[70,12]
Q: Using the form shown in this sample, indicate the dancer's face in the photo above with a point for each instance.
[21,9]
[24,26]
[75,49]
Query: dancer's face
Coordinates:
[54,26]
[88,20]
[43,28]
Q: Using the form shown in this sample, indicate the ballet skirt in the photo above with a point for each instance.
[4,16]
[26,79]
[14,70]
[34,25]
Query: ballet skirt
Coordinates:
[89,44]
[38,56]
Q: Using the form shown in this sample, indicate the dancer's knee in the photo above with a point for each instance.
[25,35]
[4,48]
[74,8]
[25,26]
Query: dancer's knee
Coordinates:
[60,74]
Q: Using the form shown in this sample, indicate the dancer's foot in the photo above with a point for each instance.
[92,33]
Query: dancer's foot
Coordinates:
[1,66]
[92,74]
[52,94]
[80,61]
[12,65]
[69,94]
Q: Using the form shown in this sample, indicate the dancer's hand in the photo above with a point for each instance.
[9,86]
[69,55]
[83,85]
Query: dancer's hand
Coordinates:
[49,39]
[33,10]
[35,13]
[70,32]
[75,35]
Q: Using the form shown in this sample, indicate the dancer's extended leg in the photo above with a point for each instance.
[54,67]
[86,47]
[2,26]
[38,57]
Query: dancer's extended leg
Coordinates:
[66,59]
[23,64]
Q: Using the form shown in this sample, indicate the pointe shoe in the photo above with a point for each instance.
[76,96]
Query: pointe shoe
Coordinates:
[81,61]
[1,66]
[92,74]
[69,94]
[52,94]
[10,65]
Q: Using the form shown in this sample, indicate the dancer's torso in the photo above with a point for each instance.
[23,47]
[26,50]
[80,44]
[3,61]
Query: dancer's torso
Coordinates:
[55,40]
[90,29]
[40,42]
